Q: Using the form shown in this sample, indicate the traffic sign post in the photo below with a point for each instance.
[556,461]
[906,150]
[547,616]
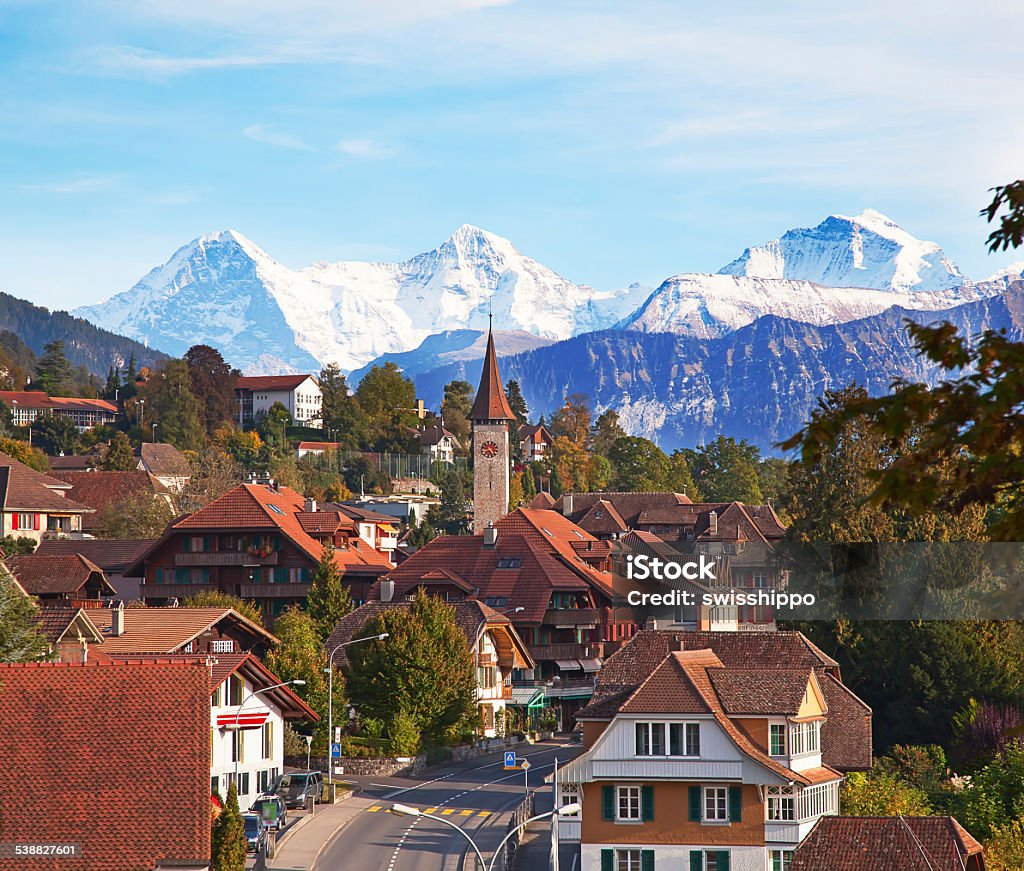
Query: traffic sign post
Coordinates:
[335,750]
[525,765]
[510,760]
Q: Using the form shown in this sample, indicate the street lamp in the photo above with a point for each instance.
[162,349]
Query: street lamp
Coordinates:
[253,694]
[330,697]
[567,810]
[154,426]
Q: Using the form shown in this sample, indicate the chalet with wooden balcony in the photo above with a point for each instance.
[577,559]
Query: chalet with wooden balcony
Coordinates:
[498,651]
[258,541]
[67,581]
[711,751]
[552,580]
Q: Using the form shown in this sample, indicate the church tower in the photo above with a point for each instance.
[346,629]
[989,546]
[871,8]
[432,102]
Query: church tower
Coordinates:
[491,418]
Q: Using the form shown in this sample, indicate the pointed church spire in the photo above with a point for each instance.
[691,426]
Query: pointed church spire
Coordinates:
[490,402]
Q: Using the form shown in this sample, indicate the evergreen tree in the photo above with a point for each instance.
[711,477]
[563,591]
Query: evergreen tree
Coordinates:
[129,386]
[514,395]
[424,669]
[515,490]
[55,433]
[175,407]
[301,656]
[458,400]
[54,374]
[228,844]
[343,417]
[119,457]
[555,487]
[727,471]
[213,384]
[329,599]
[529,485]
[112,389]
[20,639]
[454,502]
[607,430]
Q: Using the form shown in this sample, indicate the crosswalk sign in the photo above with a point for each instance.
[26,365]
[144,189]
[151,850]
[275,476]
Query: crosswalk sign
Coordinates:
[510,759]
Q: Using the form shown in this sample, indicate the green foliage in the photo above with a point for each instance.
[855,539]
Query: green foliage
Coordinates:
[218,599]
[680,478]
[343,417]
[606,431]
[458,399]
[213,384]
[514,395]
[141,515]
[420,533]
[301,656]
[55,434]
[1005,848]
[923,767]
[175,407]
[555,486]
[529,485]
[993,795]
[403,735]
[639,464]
[1010,232]
[20,639]
[119,456]
[881,795]
[456,487]
[228,844]
[727,471]
[54,374]
[388,398]
[25,453]
[329,599]
[214,472]
[19,546]
[423,669]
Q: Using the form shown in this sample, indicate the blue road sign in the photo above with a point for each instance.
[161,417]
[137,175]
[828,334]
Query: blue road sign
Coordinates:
[510,759]
[336,751]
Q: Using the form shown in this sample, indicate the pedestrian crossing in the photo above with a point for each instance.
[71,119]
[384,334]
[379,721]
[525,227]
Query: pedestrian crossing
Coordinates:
[438,811]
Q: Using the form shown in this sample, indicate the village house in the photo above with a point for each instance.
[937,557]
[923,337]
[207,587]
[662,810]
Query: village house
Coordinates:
[165,463]
[888,844]
[65,581]
[68,631]
[535,442]
[299,394]
[260,542]
[113,556]
[498,651]
[550,577]
[35,505]
[712,751]
[317,449]
[28,405]
[86,734]
[437,443]
[101,490]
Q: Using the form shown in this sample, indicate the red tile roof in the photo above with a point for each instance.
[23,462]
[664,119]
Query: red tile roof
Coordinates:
[79,744]
[270,382]
[167,630]
[110,554]
[542,500]
[99,489]
[22,489]
[38,477]
[164,460]
[40,575]
[886,844]
[490,402]
[54,622]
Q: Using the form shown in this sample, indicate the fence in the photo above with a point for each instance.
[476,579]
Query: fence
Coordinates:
[506,860]
[419,466]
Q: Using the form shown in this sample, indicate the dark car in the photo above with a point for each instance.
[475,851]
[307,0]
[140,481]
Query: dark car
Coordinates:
[296,787]
[255,833]
[272,810]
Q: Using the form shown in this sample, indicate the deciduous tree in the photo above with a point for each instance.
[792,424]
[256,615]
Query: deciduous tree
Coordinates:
[213,384]
[219,599]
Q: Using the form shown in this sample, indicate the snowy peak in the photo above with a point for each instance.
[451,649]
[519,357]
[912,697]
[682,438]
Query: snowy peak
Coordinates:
[869,250]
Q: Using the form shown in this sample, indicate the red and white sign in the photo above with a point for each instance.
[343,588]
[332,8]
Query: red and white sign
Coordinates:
[245,720]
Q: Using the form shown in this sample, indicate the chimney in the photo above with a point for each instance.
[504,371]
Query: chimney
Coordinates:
[567,504]
[117,620]
[713,523]
[310,504]
[490,536]
[387,591]
[652,623]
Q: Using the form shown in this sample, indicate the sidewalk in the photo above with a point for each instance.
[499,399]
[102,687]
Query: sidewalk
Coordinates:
[299,849]
[534,853]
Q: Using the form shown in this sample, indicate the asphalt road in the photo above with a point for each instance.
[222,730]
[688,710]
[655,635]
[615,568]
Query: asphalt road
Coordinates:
[475,795]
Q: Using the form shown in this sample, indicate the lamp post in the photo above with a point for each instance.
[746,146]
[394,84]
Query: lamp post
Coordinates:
[154,426]
[253,694]
[564,811]
[330,697]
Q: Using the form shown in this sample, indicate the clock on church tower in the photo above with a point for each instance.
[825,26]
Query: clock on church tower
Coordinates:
[491,418]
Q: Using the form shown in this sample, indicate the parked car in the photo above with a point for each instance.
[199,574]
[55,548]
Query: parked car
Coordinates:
[255,833]
[272,810]
[297,786]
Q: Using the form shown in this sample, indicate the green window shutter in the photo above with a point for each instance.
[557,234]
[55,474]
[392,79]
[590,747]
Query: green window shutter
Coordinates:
[186,543]
[647,860]
[206,542]
[647,803]
[735,804]
[607,860]
[159,576]
[694,804]
[696,860]
[723,860]
[607,802]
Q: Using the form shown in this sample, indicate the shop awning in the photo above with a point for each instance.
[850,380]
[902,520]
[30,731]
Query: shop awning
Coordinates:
[527,697]
[591,665]
[568,664]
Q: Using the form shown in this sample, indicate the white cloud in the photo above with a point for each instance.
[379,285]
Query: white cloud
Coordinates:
[80,185]
[269,136]
[368,148]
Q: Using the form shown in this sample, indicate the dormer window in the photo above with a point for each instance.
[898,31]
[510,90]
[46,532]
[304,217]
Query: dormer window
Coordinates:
[683,739]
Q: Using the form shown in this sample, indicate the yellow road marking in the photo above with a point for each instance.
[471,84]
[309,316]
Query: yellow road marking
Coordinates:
[465,813]
[448,811]
[484,814]
[430,810]
[374,809]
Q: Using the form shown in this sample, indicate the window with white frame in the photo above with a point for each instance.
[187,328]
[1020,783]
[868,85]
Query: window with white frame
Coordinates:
[26,521]
[817,801]
[684,739]
[569,794]
[781,860]
[237,746]
[627,803]
[650,739]
[223,645]
[777,739]
[781,804]
[804,738]
[716,804]
[628,860]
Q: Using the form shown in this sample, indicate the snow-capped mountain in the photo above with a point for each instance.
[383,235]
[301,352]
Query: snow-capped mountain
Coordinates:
[869,250]
[708,306]
[222,289]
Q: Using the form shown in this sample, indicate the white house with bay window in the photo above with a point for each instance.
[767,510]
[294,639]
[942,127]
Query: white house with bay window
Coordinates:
[247,716]
[703,768]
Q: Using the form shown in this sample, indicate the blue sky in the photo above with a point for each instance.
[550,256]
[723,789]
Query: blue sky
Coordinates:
[614,142]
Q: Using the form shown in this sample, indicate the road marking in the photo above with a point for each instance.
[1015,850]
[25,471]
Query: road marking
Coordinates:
[485,813]
[429,810]
[465,813]
[419,785]
[374,809]
[448,811]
